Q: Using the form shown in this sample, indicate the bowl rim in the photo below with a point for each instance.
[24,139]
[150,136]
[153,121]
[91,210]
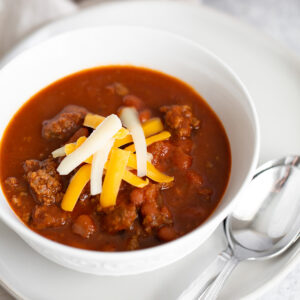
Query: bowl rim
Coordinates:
[21,229]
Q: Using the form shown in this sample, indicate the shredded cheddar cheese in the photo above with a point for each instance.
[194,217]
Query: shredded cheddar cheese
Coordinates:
[134,180]
[121,142]
[116,168]
[119,163]
[121,134]
[150,127]
[93,121]
[76,185]
[69,148]
[152,172]
[97,139]
[164,135]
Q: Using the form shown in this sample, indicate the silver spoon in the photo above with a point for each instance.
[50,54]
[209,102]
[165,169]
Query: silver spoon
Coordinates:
[264,225]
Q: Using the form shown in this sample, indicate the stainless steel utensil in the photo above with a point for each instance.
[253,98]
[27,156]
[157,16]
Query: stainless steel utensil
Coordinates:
[265,224]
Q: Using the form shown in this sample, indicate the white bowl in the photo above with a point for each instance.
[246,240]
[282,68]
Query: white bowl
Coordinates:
[70,52]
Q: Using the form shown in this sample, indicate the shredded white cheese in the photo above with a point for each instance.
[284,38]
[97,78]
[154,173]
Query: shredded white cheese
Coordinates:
[99,160]
[149,157]
[59,152]
[98,138]
[130,119]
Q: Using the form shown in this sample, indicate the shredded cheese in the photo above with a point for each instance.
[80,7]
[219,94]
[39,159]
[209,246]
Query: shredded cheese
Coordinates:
[124,141]
[156,175]
[149,157]
[98,138]
[130,119]
[59,152]
[76,185]
[98,163]
[69,148]
[121,134]
[93,121]
[152,172]
[164,135]
[100,152]
[150,127]
[134,180]
[116,168]
[130,178]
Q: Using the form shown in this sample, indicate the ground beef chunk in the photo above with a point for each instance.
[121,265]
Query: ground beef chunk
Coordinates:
[160,151]
[137,196]
[166,185]
[18,194]
[44,180]
[79,133]
[64,124]
[12,183]
[48,164]
[49,217]
[86,193]
[23,207]
[154,217]
[137,231]
[154,213]
[46,188]
[118,218]
[84,226]
[180,119]
[164,150]
[133,243]
[21,204]
[31,165]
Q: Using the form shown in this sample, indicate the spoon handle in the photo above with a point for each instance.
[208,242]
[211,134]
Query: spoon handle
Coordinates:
[203,281]
[213,290]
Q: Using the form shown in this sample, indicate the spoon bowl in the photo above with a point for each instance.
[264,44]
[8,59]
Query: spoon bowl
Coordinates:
[264,224]
[267,221]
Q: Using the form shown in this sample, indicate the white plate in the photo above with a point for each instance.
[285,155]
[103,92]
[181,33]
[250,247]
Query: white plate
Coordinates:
[272,75]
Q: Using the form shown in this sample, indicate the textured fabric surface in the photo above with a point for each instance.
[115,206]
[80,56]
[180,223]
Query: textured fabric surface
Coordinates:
[279,18]
[20,17]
